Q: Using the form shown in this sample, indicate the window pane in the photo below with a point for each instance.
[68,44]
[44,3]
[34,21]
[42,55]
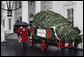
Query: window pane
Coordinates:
[70,15]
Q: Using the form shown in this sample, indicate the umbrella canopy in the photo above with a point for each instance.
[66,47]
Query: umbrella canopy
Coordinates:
[20,24]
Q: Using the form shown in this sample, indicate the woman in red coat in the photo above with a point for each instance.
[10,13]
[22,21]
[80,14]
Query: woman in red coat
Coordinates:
[24,33]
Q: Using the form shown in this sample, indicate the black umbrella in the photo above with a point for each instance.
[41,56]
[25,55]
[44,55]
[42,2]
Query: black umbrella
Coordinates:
[20,24]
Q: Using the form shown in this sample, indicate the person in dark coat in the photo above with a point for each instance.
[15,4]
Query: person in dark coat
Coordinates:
[78,30]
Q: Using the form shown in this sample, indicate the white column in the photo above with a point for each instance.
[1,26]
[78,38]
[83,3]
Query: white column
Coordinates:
[6,23]
[25,11]
[38,6]
[54,6]
[2,34]
[2,28]
[12,22]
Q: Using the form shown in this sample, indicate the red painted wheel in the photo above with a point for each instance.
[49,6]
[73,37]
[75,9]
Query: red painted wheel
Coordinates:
[30,42]
[43,45]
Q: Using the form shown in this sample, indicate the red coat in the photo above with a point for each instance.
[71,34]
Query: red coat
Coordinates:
[24,35]
[19,30]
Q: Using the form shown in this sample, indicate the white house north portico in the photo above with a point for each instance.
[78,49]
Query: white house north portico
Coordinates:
[72,10]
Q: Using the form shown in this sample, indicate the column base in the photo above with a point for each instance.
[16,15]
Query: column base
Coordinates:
[3,41]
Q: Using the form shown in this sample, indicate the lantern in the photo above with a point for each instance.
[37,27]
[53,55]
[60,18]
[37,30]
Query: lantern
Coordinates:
[10,7]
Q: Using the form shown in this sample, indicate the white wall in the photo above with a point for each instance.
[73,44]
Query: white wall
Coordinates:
[78,16]
[78,19]
[46,5]
[57,6]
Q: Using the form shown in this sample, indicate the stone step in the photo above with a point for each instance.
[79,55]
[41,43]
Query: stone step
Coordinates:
[11,36]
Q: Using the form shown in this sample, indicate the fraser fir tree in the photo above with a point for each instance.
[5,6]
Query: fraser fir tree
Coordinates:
[63,27]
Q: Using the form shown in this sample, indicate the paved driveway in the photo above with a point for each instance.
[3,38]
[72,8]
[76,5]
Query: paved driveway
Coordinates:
[12,48]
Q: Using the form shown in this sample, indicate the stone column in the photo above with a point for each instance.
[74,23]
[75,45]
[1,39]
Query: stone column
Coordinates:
[2,28]
[53,6]
[1,13]
[12,21]
[6,22]
[25,11]
[2,34]
[37,6]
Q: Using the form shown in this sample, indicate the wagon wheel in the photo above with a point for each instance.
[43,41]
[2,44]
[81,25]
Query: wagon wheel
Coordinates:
[30,42]
[43,45]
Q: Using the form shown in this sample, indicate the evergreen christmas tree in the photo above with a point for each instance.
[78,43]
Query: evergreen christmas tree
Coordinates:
[63,28]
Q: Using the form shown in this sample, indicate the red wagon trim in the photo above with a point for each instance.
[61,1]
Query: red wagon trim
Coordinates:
[43,45]
[58,43]
[30,42]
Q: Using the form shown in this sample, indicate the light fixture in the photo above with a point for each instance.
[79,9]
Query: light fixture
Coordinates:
[10,8]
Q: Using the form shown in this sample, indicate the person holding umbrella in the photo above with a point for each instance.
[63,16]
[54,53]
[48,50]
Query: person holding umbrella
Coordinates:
[24,33]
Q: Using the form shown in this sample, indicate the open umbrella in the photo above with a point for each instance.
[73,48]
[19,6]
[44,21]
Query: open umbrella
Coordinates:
[20,24]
